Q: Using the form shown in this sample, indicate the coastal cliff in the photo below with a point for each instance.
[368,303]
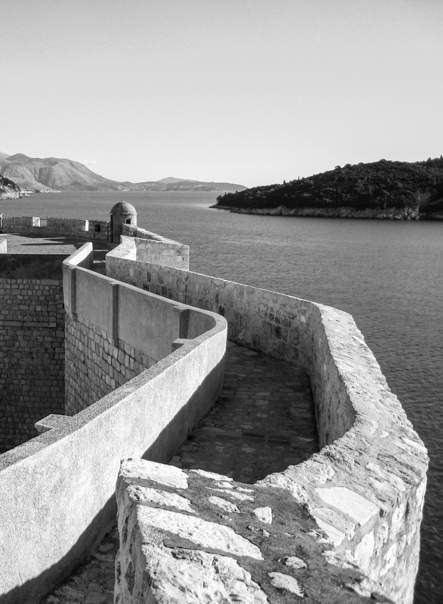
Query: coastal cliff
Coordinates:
[8,189]
[382,190]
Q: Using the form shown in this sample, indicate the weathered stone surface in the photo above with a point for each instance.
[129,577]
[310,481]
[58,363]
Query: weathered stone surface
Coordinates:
[157,472]
[172,557]
[205,534]
[161,498]
[287,583]
[294,562]
[352,504]
[264,514]
[236,495]
[225,505]
[191,577]
[335,519]
[213,476]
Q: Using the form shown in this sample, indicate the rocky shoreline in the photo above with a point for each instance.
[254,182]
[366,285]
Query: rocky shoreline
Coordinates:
[341,212]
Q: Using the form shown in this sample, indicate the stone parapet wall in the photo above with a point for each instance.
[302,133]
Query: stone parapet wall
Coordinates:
[366,486]
[18,224]
[151,252]
[63,480]
[68,227]
[31,356]
[154,249]
[194,536]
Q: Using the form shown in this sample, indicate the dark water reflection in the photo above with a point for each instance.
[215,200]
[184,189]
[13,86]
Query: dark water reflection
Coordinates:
[388,275]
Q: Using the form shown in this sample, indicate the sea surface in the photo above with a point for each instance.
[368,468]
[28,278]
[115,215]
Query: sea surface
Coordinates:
[388,275]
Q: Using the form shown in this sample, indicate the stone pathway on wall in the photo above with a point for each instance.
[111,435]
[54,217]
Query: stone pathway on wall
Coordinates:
[33,243]
[262,423]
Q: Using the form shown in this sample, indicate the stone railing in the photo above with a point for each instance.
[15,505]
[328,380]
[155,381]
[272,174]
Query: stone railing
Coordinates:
[365,488]
[153,249]
[56,490]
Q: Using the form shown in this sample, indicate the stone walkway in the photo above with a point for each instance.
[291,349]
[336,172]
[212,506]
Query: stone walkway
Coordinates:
[262,423]
[33,243]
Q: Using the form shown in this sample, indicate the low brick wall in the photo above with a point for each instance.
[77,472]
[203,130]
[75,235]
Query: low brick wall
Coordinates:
[366,486]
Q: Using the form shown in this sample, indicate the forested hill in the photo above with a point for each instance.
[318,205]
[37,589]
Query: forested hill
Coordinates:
[383,189]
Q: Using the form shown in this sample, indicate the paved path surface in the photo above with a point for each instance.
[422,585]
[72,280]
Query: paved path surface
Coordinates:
[33,243]
[262,423]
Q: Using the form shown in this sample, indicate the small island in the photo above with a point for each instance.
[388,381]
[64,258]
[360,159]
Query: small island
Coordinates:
[384,189]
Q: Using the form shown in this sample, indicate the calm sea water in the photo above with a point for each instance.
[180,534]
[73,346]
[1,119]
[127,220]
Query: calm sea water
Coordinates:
[388,275]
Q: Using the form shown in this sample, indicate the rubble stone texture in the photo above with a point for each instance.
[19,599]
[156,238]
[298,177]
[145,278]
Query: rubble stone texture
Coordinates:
[211,555]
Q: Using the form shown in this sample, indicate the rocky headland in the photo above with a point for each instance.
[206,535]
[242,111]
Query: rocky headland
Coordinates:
[382,190]
[8,189]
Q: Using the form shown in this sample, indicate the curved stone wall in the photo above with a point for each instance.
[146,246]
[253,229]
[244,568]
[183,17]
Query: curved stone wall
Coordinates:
[56,490]
[366,486]
[364,489]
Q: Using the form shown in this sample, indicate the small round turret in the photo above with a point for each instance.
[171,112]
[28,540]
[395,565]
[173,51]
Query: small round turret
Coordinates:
[122,213]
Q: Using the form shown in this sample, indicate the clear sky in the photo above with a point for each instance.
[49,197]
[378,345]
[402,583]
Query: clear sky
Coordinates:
[246,91]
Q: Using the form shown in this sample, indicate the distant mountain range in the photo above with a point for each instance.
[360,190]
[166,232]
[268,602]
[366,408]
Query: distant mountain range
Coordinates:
[56,174]
[384,189]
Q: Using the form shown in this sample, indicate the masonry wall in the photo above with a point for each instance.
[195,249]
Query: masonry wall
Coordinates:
[68,227]
[113,333]
[31,356]
[154,249]
[95,365]
[63,480]
[366,486]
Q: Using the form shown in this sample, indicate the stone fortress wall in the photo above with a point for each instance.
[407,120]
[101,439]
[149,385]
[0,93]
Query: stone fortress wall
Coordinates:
[32,359]
[364,489]
[63,480]
[366,486]
[68,227]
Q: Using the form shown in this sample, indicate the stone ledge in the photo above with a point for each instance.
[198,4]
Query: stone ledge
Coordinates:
[179,545]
